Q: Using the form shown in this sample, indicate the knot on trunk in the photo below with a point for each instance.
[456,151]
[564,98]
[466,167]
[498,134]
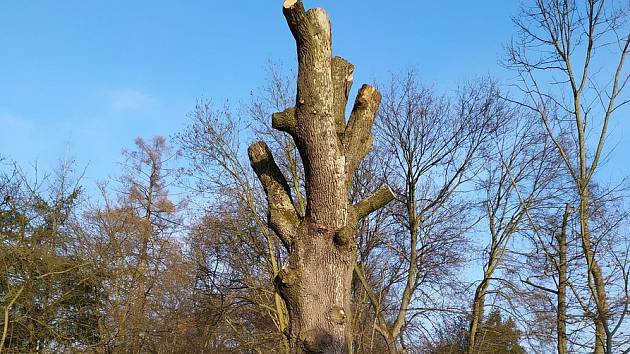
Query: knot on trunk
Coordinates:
[285,283]
[285,278]
[344,237]
[337,315]
[316,340]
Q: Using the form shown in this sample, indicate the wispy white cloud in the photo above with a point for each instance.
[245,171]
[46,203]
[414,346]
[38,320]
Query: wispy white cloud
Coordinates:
[11,122]
[127,100]
[17,137]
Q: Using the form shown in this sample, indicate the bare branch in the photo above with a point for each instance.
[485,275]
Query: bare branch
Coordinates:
[374,202]
[342,82]
[358,134]
[282,215]
[284,121]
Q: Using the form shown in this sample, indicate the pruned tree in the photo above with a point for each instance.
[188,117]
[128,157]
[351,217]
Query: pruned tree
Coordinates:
[316,281]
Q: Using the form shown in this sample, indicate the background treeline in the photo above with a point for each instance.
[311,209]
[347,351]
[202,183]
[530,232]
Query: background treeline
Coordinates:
[504,237]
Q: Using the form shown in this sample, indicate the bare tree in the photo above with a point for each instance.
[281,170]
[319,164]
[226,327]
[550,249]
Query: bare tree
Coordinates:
[372,258]
[130,236]
[569,78]
[515,178]
[429,145]
[48,288]
[212,145]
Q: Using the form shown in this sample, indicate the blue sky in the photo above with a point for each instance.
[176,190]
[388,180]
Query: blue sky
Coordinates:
[85,78]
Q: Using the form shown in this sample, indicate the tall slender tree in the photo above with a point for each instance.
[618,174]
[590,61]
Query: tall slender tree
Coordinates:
[570,56]
[430,144]
[131,239]
[517,173]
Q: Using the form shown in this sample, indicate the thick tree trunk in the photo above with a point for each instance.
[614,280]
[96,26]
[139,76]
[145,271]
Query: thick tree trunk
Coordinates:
[391,344]
[316,288]
[316,280]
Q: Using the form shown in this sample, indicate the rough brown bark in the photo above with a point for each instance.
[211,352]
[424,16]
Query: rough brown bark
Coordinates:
[316,280]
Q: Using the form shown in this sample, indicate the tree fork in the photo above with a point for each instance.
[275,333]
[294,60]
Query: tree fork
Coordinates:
[357,140]
[316,280]
[282,216]
[342,71]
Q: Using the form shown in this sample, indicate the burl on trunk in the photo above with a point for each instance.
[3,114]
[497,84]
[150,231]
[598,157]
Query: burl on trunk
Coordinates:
[316,281]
